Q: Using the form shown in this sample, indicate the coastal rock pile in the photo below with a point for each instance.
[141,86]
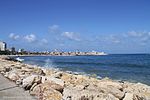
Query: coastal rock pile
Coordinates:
[48,84]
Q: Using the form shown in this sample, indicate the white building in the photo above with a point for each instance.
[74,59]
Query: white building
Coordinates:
[2,46]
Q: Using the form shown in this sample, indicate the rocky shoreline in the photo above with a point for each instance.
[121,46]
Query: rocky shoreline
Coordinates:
[49,84]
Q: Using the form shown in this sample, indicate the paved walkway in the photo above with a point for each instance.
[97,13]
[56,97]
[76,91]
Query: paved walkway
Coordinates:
[10,91]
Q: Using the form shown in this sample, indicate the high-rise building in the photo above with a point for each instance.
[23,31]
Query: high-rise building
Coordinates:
[3,46]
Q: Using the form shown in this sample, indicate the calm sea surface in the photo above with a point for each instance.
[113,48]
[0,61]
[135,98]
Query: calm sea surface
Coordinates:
[128,67]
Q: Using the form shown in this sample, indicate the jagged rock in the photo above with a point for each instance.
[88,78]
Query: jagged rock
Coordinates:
[52,79]
[46,86]
[71,93]
[52,94]
[136,87]
[46,91]
[13,76]
[7,69]
[29,81]
[25,69]
[141,96]
[128,96]
[106,82]
[48,72]
[57,75]
[38,71]
[19,81]
[114,91]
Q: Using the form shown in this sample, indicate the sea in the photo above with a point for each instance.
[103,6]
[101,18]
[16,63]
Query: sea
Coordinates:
[123,67]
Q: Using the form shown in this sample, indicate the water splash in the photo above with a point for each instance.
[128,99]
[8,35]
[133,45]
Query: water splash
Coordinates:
[49,64]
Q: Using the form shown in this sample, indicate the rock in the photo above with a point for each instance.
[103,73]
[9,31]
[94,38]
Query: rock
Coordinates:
[57,75]
[19,81]
[46,85]
[114,91]
[13,76]
[128,96]
[46,92]
[105,83]
[55,86]
[7,69]
[52,79]
[6,74]
[136,88]
[48,72]
[29,81]
[52,94]
[32,87]
[141,96]
[71,93]
[38,71]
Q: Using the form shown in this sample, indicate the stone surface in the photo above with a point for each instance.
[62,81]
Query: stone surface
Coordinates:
[128,96]
[13,76]
[52,79]
[47,91]
[71,93]
[30,80]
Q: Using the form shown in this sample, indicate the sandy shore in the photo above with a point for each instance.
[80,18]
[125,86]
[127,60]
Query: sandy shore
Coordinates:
[50,84]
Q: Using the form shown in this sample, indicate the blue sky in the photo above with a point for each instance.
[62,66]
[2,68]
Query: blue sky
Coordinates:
[112,26]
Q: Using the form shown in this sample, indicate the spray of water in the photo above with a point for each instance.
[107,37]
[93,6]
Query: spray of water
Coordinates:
[49,64]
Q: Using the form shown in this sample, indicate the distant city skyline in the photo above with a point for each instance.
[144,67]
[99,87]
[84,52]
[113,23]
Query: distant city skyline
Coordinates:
[112,26]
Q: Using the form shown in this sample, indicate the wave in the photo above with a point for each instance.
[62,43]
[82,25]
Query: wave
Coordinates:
[105,64]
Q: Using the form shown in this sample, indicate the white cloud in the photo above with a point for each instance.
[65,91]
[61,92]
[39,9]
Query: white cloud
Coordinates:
[71,36]
[54,29]
[30,38]
[135,34]
[13,36]
[141,36]
[112,39]
[44,41]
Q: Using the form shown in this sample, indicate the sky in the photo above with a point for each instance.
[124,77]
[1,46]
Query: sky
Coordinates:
[112,26]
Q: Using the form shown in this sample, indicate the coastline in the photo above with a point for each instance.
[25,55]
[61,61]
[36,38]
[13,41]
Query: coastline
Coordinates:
[59,85]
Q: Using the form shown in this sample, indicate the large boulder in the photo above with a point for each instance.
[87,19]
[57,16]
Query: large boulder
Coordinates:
[38,71]
[46,85]
[47,91]
[30,80]
[73,93]
[13,76]
[52,79]
[114,91]
[128,96]
[52,94]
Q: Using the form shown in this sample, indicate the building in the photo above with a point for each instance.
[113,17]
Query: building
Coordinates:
[3,46]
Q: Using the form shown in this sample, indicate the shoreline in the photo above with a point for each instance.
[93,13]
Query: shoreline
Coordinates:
[59,85]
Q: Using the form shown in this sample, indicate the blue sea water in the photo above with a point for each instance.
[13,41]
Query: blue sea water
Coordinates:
[126,67]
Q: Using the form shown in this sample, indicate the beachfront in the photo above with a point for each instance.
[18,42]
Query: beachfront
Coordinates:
[51,84]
